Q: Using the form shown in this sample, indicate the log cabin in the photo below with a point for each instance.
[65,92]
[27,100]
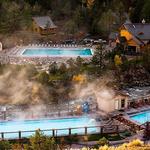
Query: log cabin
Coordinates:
[43,25]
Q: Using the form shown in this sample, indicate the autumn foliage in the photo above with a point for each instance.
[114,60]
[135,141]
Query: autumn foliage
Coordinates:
[117,60]
[90,3]
[134,145]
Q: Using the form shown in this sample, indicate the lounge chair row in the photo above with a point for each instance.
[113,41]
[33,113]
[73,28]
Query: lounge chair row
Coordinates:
[56,45]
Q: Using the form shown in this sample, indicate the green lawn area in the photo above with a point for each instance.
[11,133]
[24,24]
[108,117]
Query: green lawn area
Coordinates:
[110,137]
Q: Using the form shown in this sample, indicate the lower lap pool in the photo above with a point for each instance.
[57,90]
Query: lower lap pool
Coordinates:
[141,117]
[47,124]
[57,52]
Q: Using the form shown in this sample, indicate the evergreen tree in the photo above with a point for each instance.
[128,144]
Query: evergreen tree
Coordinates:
[146,11]
[137,11]
[98,58]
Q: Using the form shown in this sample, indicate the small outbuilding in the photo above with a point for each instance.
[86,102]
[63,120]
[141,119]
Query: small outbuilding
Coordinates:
[110,101]
[43,25]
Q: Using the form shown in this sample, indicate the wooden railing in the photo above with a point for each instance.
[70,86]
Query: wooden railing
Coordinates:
[57,132]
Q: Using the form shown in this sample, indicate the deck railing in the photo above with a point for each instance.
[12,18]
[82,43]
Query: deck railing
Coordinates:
[61,132]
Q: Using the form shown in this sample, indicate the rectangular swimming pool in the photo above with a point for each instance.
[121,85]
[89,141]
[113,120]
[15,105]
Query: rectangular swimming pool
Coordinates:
[57,52]
[141,117]
[45,124]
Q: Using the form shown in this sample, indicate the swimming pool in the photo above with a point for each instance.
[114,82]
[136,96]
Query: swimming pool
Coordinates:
[46,124]
[141,117]
[57,52]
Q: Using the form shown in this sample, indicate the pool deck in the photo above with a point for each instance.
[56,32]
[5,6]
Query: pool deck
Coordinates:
[52,117]
[134,111]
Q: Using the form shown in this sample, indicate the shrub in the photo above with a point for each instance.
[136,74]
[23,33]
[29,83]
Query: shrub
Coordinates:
[5,145]
[103,141]
[136,142]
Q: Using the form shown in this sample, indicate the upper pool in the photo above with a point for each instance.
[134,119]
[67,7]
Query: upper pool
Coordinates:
[63,125]
[141,117]
[57,52]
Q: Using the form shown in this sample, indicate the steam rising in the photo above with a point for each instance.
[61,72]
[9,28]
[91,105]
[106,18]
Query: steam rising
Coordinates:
[15,88]
[100,88]
[33,112]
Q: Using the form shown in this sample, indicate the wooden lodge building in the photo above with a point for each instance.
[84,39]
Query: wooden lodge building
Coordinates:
[136,35]
[43,25]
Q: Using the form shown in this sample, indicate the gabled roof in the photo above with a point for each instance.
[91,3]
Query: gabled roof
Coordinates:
[139,30]
[44,22]
[138,92]
[120,93]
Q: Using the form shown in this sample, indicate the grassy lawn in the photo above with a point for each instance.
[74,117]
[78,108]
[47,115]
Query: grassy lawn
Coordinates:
[110,137]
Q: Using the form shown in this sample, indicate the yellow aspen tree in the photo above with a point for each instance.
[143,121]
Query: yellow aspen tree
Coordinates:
[90,3]
[117,60]
[79,78]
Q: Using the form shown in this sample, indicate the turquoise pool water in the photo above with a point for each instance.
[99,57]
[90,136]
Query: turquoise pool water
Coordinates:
[57,52]
[142,117]
[44,124]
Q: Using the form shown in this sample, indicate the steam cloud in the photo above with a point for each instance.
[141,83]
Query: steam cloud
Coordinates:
[15,88]
[100,89]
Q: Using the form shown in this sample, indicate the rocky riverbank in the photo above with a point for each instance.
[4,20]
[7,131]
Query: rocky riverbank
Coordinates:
[137,76]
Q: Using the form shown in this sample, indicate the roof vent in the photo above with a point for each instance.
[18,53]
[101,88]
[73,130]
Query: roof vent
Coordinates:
[143,21]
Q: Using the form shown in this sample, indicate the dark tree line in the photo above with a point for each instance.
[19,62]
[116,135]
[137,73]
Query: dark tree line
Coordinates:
[98,16]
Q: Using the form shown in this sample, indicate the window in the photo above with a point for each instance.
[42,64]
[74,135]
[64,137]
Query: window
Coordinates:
[122,103]
[131,50]
[36,29]
[146,100]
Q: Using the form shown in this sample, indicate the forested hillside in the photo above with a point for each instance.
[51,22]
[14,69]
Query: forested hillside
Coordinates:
[96,16]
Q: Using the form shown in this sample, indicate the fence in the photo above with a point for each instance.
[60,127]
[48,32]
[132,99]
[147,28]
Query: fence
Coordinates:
[61,132]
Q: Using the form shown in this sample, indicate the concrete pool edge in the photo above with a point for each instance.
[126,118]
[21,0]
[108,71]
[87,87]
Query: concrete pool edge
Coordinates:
[136,114]
[24,48]
[92,116]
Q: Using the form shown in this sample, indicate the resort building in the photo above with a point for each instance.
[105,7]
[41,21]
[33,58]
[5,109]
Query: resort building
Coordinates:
[135,36]
[119,101]
[128,98]
[43,25]
[138,96]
